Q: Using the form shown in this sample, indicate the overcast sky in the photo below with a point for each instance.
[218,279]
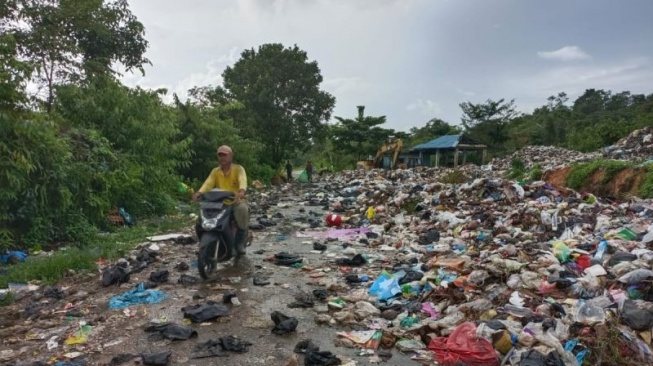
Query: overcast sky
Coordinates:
[411,60]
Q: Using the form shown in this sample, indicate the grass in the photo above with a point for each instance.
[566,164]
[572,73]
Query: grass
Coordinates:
[455,177]
[536,172]
[646,187]
[517,169]
[611,349]
[52,268]
[581,172]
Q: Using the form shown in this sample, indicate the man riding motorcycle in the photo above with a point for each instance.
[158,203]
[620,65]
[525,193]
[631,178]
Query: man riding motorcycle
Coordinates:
[230,177]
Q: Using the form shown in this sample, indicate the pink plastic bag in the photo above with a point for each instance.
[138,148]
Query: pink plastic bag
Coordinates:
[463,347]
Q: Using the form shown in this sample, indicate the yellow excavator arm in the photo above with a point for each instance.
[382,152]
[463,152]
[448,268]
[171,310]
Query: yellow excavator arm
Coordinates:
[394,145]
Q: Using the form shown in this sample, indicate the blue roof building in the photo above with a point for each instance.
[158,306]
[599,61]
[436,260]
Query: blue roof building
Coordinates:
[453,143]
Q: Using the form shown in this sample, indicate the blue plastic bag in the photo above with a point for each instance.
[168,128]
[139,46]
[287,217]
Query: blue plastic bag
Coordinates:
[139,295]
[386,286]
[13,257]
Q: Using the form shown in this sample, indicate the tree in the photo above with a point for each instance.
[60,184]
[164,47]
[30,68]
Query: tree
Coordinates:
[432,129]
[13,75]
[70,40]
[361,136]
[281,88]
[488,122]
[13,72]
[206,128]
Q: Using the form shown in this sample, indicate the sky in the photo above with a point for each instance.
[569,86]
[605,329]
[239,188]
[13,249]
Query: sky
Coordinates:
[410,60]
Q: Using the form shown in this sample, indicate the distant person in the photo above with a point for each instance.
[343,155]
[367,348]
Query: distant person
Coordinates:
[309,170]
[289,170]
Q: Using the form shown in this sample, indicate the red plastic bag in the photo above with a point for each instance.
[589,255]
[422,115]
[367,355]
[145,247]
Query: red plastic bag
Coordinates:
[463,347]
[333,220]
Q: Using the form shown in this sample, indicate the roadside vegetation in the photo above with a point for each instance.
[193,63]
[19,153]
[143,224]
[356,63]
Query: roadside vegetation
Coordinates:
[85,145]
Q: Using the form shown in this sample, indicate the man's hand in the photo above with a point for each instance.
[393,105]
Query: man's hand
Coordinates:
[240,195]
[196,196]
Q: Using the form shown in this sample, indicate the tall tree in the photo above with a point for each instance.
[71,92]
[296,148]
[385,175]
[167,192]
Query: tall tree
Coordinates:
[488,122]
[360,136]
[13,72]
[282,90]
[69,40]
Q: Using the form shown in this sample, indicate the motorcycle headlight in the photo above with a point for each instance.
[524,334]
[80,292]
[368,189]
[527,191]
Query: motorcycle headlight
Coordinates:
[211,223]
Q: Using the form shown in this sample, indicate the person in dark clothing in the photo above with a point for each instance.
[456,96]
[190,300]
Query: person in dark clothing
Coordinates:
[309,170]
[289,170]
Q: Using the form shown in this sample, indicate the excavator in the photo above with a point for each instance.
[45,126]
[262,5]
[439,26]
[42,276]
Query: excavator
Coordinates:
[391,145]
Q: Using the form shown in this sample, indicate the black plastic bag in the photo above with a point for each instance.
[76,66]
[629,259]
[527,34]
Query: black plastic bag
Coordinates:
[324,358]
[304,346]
[205,312]
[534,358]
[121,359]
[357,261]
[160,358]
[187,280]
[286,259]
[159,276]
[170,331]
[320,247]
[114,275]
[283,324]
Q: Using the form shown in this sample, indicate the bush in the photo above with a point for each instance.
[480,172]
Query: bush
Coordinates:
[646,187]
[581,172]
[104,146]
[536,172]
[517,169]
[455,177]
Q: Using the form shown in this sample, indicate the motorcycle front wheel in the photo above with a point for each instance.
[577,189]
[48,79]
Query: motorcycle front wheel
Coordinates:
[206,263]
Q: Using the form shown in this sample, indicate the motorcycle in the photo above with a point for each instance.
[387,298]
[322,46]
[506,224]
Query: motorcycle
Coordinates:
[216,231]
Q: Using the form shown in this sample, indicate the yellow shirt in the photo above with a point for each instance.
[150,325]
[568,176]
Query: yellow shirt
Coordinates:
[234,180]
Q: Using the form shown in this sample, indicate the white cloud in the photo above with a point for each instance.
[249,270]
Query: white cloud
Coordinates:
[466,93]
[634,75]
[211,75]
[345,85]
[566,53]
[426,107]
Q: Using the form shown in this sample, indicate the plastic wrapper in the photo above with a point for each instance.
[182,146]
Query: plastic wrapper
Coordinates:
[464,347]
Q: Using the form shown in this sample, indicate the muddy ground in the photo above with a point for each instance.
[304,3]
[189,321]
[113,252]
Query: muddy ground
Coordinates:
[116,332]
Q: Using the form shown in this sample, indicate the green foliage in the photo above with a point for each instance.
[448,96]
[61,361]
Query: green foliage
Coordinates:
[52,268]
[281,89]
[646,187]
[455,177]
[361,136]
[434,128]
[517,169]
[536,172]
[7,299]
[488,122]
[207,127]
[581,172]
[139,169]
[13,73]
[70,40]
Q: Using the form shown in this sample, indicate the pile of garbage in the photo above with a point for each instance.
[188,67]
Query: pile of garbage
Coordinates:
[489,272]
[637,146]
[481,271]
[545,156]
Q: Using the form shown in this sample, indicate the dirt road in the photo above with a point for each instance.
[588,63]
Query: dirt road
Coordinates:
[115,332]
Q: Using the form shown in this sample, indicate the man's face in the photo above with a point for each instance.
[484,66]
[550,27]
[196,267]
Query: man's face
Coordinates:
[224,158]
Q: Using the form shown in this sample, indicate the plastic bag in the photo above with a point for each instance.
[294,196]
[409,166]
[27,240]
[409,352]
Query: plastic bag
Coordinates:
[463,347]
[385,286]
[303,177]
[561,251]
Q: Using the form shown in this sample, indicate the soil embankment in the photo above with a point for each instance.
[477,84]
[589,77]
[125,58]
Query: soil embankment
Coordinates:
[623,183]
